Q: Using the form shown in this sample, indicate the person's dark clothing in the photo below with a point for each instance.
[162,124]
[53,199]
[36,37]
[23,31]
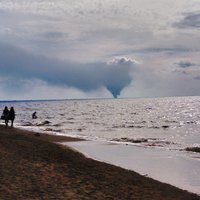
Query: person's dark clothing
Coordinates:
[34,116]
[12,115]
[6,112]
[6,115]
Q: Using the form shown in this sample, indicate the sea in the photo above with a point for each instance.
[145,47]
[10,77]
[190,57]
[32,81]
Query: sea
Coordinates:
[169,124]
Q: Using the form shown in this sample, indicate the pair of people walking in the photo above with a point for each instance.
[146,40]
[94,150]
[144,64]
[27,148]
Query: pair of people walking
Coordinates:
[9,115]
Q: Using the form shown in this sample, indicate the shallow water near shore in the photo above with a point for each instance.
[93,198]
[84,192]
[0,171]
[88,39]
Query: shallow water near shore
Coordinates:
[147,126]
[175,168]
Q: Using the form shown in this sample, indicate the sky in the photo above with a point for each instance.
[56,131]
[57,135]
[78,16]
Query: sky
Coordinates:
[67,49]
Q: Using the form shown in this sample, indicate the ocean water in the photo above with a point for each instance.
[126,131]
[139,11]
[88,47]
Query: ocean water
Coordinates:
[168,123]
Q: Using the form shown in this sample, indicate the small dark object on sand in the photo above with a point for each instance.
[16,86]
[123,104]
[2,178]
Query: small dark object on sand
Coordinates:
[37,134]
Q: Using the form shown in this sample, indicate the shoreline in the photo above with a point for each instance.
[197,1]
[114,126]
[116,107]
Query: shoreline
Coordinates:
[169,167]
[34,167]
[136,159]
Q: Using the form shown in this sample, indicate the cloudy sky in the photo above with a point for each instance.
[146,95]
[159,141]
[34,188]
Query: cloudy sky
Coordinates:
[99,48]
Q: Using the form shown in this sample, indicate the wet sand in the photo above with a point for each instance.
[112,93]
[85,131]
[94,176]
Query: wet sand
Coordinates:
[178,168]
[34,167]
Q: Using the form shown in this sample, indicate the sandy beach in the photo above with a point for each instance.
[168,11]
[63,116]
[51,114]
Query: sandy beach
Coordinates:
[35,167]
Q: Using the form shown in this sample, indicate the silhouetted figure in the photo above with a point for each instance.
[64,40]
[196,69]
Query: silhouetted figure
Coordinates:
[6,115]
[12,115]
[34,115]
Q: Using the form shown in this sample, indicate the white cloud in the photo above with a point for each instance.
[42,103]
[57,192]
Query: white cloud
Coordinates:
[83,33]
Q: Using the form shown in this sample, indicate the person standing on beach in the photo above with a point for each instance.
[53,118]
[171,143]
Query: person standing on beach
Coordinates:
[6,115]
[12,115]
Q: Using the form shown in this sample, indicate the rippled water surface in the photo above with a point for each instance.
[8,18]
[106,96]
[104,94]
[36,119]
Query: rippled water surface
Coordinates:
[171,123]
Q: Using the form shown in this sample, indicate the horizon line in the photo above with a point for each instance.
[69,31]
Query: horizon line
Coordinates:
[32,100]
[36,100]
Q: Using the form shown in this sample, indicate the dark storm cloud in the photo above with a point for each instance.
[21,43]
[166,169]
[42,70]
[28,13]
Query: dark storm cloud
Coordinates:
[185,64]
[20,65]
[191,20]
